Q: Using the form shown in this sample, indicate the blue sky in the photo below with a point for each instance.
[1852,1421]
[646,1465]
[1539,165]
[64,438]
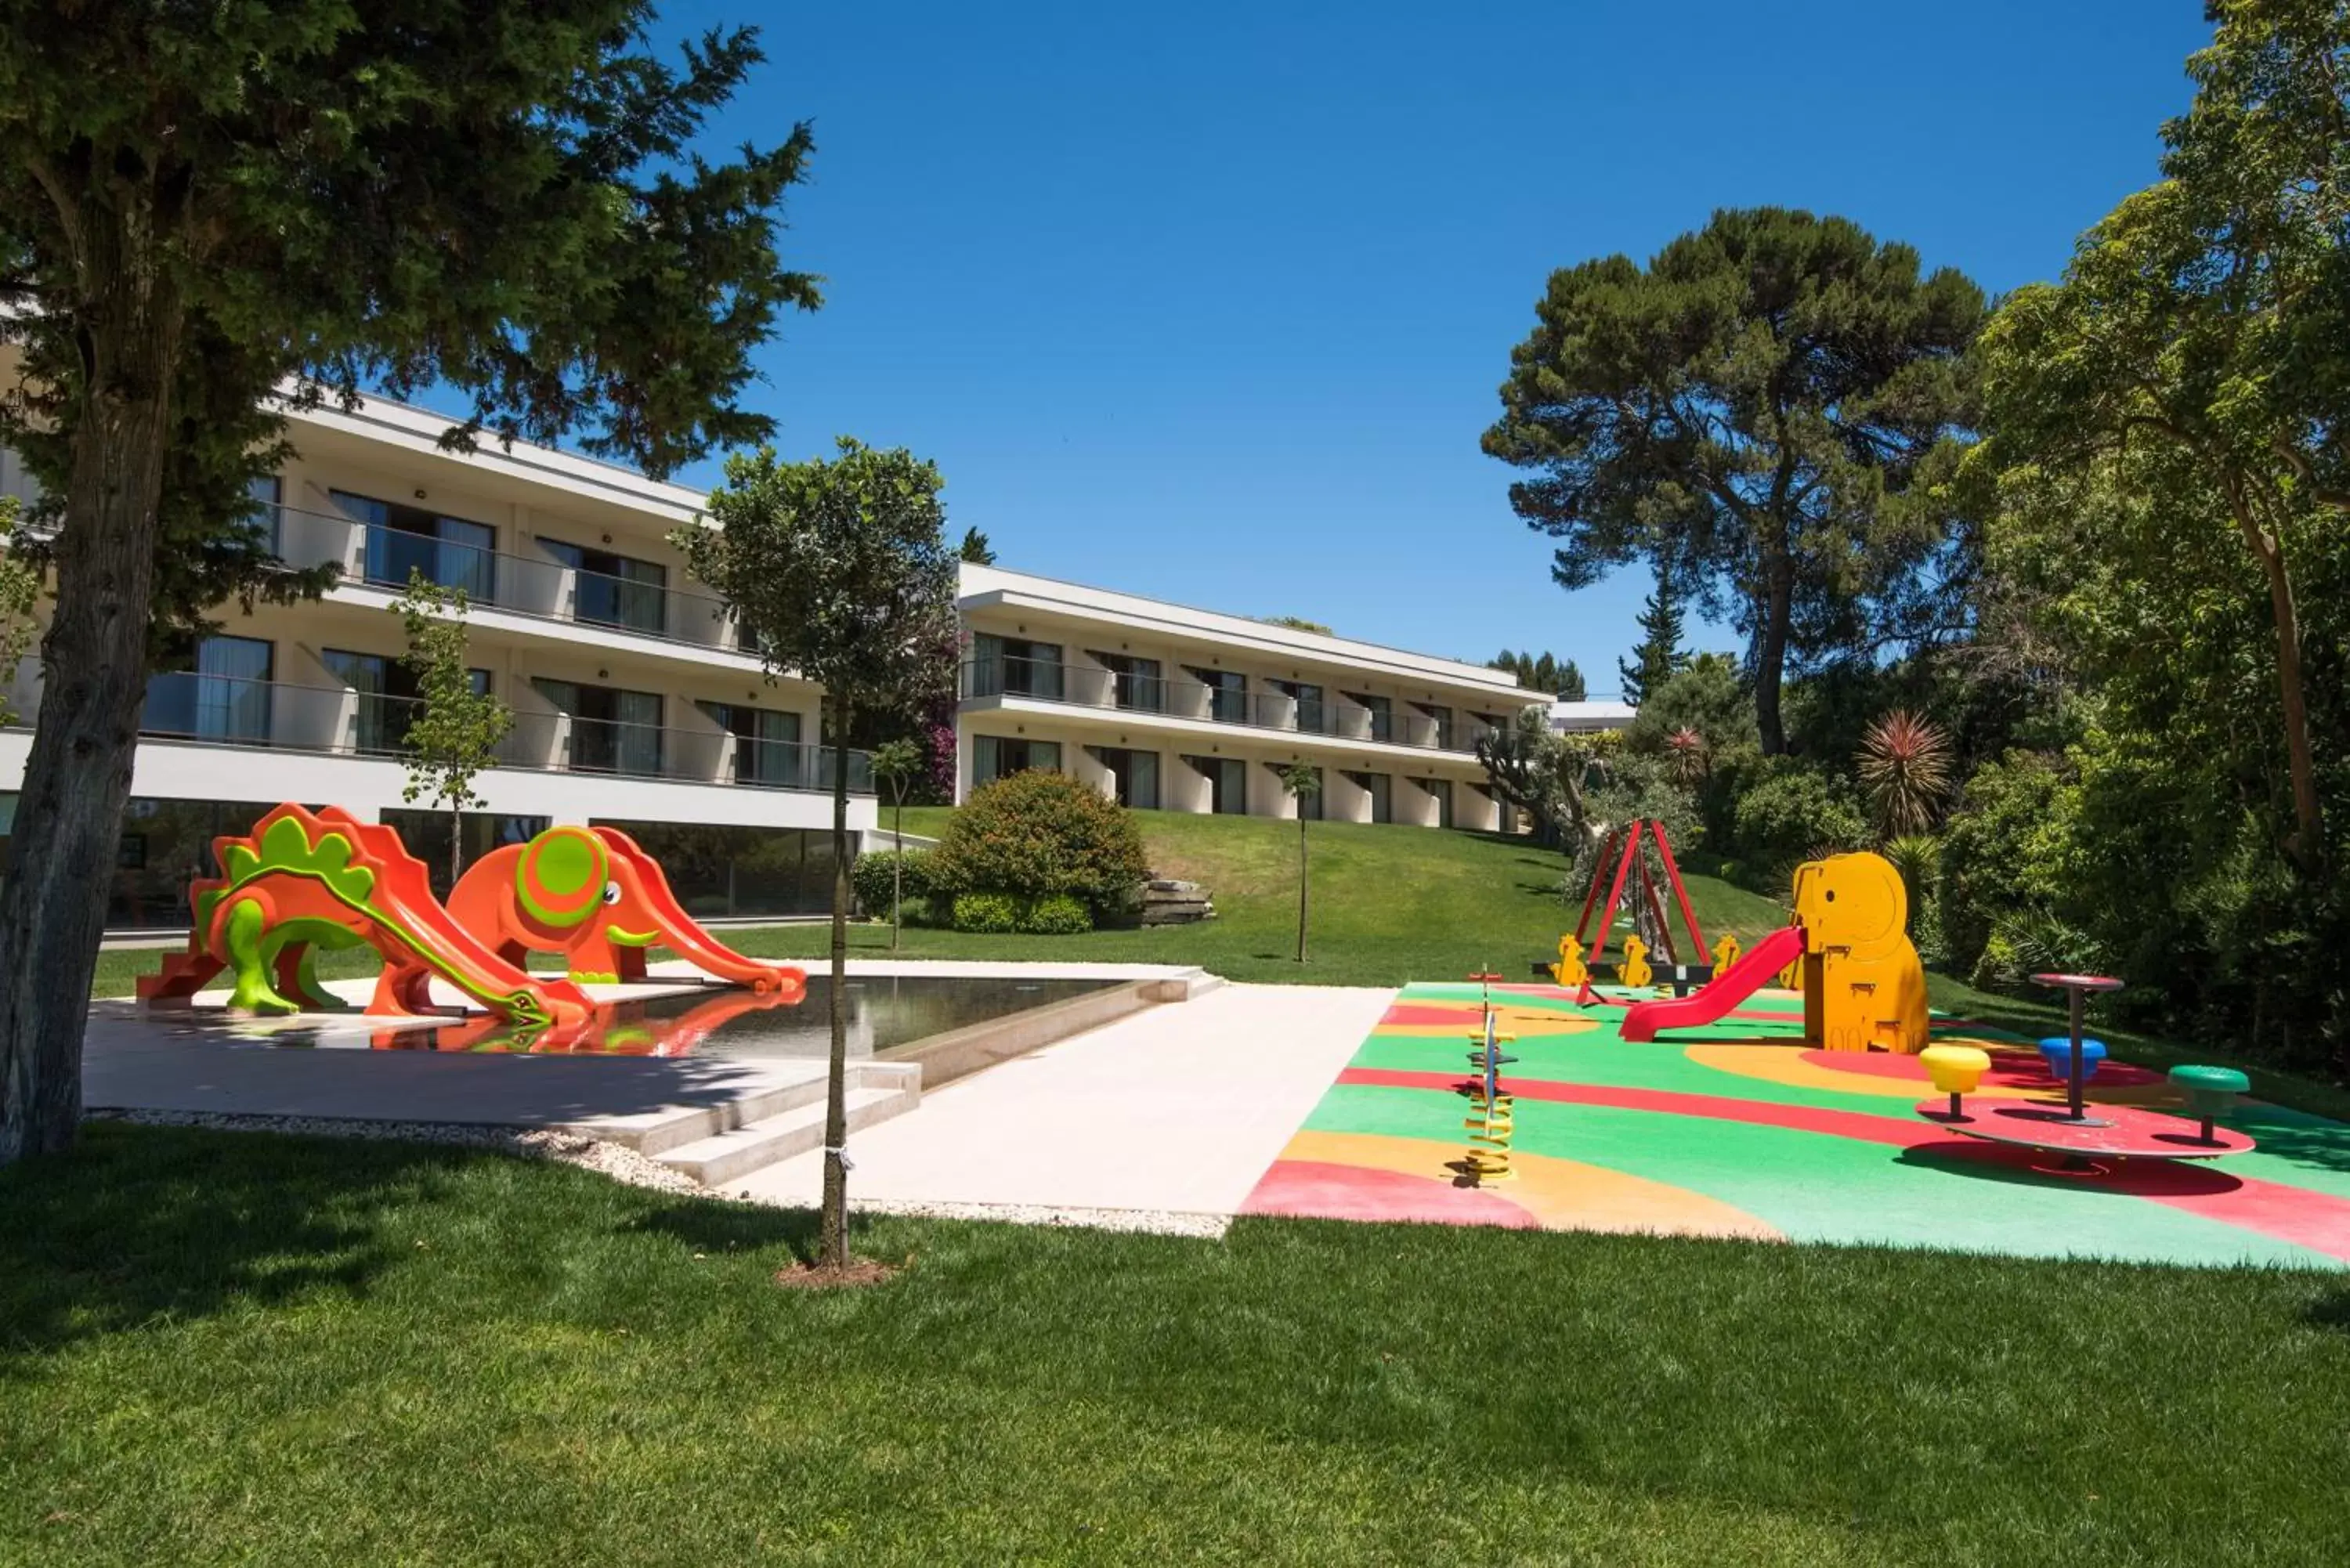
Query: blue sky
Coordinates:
[1210,302]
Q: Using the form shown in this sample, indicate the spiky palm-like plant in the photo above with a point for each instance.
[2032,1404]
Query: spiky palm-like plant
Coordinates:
[1905,765]
[1685,757]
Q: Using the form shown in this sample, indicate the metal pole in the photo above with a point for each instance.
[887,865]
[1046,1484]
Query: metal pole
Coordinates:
[2075,993]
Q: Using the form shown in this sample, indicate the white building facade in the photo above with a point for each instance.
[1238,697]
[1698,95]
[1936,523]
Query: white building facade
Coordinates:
[1173,708]
[635,703]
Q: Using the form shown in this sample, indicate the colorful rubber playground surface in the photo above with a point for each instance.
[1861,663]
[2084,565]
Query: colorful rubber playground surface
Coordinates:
[1733,1130]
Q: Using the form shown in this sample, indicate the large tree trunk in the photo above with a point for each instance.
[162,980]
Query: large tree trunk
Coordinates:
[1771,647]
[832,1248]
[2268,548]
[93,684]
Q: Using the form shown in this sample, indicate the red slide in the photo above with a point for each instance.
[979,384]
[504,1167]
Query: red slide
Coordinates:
[1722,992]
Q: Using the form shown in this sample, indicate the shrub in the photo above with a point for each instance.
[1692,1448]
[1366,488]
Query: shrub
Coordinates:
[2000,858]
[992,914]
[1791,815]
[1037,833]
[1056,915]
[871,877]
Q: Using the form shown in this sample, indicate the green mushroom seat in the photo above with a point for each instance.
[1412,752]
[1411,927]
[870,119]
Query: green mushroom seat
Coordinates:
[2210,1092]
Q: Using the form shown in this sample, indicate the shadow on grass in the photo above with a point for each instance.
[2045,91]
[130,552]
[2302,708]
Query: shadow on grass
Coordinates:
[722,1228]
[138,1225]
[2331,1310]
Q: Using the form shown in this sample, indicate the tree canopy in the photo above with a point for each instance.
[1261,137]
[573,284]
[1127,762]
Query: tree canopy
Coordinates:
[839,569]
[1760,404]
[207,211]
[2201,329]
[1542,672]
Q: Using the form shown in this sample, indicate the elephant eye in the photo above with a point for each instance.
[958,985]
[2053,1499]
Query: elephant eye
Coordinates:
[611,892]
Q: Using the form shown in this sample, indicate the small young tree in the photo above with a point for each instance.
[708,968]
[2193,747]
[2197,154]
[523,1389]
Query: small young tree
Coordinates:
[895,765]
[1659,654]
[1303,783]
[455,731]
[842,571]
[20,585]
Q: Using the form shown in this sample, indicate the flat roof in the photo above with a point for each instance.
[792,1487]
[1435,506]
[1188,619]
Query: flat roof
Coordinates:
[983,587]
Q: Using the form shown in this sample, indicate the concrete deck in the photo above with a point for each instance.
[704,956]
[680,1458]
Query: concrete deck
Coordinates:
[196,1060]
[1175,1110]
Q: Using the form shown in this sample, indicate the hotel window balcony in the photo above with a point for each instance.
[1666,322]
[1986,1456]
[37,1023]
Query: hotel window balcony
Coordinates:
[1219,696]
[208,707]
[378,545]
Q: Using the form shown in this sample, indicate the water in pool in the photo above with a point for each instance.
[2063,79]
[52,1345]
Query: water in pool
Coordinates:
[884,1011]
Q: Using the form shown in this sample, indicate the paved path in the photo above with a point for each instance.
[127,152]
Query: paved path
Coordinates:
[1175,1110]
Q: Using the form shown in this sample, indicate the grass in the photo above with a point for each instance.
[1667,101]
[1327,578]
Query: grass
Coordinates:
[232,1346]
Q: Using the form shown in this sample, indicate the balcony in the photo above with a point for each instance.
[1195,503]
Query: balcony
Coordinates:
[1089,686]
[538,586]
[340,721]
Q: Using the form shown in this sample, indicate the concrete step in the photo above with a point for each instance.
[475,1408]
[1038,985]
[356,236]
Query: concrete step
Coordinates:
[656,1132]
[721,1158]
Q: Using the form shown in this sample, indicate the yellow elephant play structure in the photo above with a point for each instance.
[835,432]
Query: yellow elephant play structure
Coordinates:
[1849,950]
[1864,989]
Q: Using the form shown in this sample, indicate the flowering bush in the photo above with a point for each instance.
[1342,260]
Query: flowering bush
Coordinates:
[1034,834]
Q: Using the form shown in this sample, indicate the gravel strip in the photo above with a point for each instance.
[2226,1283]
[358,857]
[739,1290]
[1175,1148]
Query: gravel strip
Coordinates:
[624,1164]
[1152,1222]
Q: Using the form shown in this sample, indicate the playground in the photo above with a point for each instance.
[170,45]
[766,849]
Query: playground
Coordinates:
[1733,1128]
[1830,1107]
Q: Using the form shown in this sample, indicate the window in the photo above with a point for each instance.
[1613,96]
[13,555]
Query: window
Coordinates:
[224,698]
[613,589]
[1380,788]
[1227,784]
[1227,694]
[1135,683]
[266,492]
[1312,716]
[401,540]
[767,748]
[388,696]
[166,845]
[1000,757]
[1015,667]
[612,731]
[1382,713]
[1134,775]
[426,835]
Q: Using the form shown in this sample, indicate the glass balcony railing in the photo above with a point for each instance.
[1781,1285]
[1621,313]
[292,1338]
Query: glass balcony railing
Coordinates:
[535,585]
[342,721]
[1090,686]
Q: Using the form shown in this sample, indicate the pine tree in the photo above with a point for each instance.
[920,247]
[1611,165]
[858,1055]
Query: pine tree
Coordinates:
[1659,654]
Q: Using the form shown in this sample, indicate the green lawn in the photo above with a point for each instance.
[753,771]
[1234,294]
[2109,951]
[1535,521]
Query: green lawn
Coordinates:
[222,1346]
[1388,904]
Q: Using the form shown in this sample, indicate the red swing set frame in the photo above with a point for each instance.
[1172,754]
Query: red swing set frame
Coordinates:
[1624,861]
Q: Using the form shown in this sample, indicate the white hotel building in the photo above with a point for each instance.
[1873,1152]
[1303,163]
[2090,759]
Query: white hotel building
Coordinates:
[1174,708]
[636,704]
